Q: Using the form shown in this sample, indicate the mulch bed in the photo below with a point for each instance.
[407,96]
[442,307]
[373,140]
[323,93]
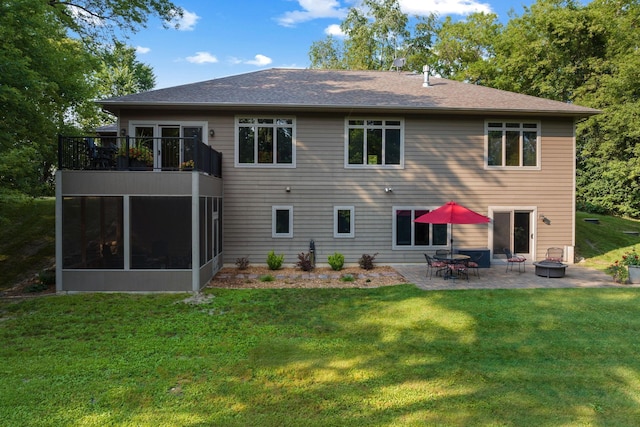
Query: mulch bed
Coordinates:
[320,277]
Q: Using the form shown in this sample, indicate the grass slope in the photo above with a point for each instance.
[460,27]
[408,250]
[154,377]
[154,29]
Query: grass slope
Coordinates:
[600,244]
[27,237]
[394,356]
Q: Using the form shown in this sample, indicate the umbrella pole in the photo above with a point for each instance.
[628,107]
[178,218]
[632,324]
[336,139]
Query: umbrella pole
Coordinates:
[451,240]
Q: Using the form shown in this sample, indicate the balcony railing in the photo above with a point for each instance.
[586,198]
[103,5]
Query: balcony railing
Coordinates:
[137,153]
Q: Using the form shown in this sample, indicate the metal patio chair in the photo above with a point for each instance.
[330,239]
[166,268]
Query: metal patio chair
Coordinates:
[515,259]
[433,264]
[554,254]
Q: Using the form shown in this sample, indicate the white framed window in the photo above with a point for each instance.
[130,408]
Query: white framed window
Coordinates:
[344,222]
[282,221]
[265,142]
[512,144]
[408,234]
[374,143]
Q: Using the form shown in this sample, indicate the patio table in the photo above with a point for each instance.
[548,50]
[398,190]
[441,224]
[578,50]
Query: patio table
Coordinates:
[451,260]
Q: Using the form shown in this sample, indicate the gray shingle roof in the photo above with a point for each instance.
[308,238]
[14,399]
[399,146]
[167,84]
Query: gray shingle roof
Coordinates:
[300,89]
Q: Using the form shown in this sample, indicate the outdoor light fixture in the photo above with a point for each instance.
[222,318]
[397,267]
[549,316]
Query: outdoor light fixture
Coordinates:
[212,133]
[123,132]
[388,190]
[287,189]
[544,219]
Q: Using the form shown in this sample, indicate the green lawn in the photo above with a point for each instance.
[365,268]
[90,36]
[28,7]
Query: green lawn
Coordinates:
[394,356]
[600,244]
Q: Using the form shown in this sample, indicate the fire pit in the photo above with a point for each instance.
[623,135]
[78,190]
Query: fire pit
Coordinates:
[550,268]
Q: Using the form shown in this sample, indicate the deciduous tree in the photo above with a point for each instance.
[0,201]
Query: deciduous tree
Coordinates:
[48,51]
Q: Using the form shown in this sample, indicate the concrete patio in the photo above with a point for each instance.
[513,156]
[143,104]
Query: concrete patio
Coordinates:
[496,278]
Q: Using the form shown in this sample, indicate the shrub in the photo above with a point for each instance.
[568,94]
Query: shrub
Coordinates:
[242,263]
[36,287]
[267,278]
[348,278]
[274,261]
[47,277]
[366,261]
[618,270]
[336,261]
[304,261]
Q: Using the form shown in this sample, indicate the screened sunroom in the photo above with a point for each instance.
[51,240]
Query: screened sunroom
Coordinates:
[132,229]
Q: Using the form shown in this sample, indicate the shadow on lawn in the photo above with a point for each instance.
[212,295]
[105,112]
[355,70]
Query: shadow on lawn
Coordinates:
[489,357]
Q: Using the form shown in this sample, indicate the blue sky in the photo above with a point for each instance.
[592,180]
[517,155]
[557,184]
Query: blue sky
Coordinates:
[219,38]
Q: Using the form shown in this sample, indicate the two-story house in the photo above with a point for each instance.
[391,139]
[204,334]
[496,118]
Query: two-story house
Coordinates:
[242,165]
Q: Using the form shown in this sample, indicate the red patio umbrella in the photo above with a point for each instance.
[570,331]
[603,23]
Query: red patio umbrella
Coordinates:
[452,213]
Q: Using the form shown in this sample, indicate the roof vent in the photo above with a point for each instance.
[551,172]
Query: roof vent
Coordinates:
[399,63]
[426,70]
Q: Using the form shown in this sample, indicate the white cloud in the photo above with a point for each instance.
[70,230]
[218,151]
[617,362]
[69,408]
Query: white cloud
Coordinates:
[334,30]
[313,9]
[202,58]
[260,61]
[187,22]
[142,50]
[443,7]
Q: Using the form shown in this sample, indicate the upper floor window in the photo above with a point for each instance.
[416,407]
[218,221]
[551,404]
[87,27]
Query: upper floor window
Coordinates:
[513,144]
[374,143]
[265,141]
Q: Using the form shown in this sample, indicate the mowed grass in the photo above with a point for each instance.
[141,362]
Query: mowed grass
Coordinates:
[601,244]
[394,356]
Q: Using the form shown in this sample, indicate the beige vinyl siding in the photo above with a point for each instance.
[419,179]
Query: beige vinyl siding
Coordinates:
[444,160]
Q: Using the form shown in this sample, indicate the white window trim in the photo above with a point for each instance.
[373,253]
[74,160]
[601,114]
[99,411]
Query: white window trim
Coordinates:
[352,214]
[275,235]
[348,165]
[159,124]
[413,247]
[538,130]
[236,156]
[156,124]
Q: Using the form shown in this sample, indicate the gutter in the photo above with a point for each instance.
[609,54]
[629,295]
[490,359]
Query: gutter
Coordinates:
[115,107]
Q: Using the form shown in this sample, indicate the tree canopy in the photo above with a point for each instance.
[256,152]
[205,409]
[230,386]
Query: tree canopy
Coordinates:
[557,49]
[53,58]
